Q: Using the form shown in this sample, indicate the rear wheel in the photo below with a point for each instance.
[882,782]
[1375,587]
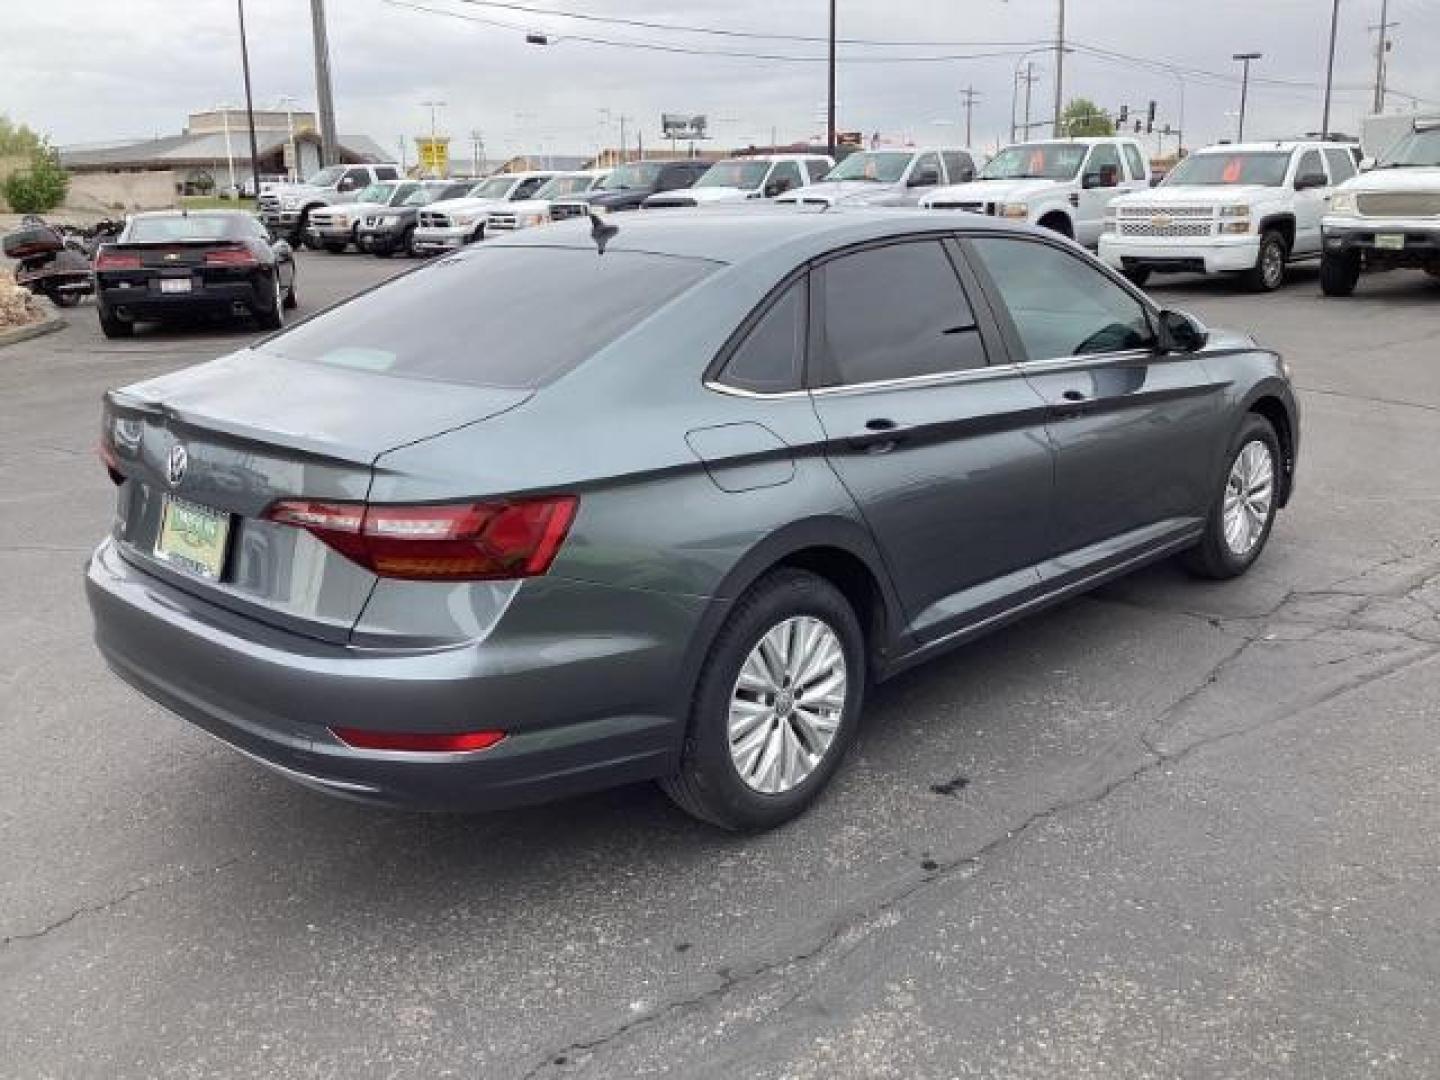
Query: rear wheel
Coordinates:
[113,326]
[273,317]
[1244,511]
[407,241]
[1268,273]
[776,707]
[291,301]
[335,247]
[1339,274]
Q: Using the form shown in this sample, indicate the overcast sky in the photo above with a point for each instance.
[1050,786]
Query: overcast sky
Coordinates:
[99,70]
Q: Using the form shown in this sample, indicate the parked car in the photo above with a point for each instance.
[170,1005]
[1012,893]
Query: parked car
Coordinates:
[739,179]
[528,212]
[1387,217]
[628,186]
[897,177]
[390,230]
[674,526]
[458,220]
[1247,210]
[285,209]
[171,263]
[333,227]
[1063,185]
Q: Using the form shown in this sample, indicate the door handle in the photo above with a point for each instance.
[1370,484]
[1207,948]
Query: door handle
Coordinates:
[881,435]
[1075,395]
[1072,403]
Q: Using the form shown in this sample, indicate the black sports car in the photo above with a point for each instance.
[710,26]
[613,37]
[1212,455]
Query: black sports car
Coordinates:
[172,263]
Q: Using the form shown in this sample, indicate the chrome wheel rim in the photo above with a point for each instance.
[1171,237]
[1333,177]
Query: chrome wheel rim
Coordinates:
[279,298]
[787,704]
[1273,266]
[1249,494]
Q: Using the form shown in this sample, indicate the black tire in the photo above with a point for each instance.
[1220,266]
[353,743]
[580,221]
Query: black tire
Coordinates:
[63,299]
[1213,557]
[335,247]
[1138,276]
[1058,223]
[382,250]
[114,327]
[291,300]
[407,241]
[1268,273]
[709,785]
[272,316]
[1339,274]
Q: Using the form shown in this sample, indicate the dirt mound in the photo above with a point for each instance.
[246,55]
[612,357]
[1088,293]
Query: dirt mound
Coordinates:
[17,306]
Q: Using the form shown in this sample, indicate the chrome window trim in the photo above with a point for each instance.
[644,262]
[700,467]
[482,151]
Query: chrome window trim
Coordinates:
[968,375]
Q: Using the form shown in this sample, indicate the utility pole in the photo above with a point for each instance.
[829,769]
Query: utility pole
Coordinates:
[1059,68]
[401,141]
[324,96]
[1381,49]
[1330,70]
[477,146]
[969,95]
[289,102]
[1030,79]
[830,111]
[1244,58]
[249,101]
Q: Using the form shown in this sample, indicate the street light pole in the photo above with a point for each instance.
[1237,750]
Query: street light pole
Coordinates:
[249,102]
[830,110]
[1380,48]
[1245,59]
[324,95]
[1059,67]
[1330,70]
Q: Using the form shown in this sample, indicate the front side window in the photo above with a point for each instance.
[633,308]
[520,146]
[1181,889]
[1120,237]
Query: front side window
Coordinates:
[355,178]
[816,168]
[1060,305]
[785,177]
[926,167]
[634,176]
[771,358]
[527,188]
[959,167]
[561,186]
[401,195]
[894,312]
[1342,165]
[1138,168]
[1310,165]
[327,177]
[375,193]
[1104,165]
[881,166]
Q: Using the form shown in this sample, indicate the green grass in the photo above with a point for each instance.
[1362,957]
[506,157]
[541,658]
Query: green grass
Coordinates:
[213,202]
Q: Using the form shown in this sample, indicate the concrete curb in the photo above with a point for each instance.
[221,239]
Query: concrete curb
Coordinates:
[53,321]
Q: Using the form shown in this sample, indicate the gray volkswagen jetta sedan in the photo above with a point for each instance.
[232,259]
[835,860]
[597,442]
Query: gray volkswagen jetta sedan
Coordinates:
[558,513]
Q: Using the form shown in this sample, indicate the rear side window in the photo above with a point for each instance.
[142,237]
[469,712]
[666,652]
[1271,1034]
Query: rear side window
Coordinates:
[507,317]
[959,168]
[894,312]
[771,357]
[386,172]
[1138,169]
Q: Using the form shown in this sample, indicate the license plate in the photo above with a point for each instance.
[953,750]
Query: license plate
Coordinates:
[193,537]
[1390,241]
[174,285]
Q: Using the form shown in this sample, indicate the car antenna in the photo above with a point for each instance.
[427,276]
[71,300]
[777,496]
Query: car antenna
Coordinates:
[601,231]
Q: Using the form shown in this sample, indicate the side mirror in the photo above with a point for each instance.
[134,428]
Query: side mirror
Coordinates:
[1366,164]
[1181,332]
[1092,180]
[1311,180]
[927,177]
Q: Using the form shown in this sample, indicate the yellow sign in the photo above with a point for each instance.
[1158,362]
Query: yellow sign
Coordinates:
[434,154]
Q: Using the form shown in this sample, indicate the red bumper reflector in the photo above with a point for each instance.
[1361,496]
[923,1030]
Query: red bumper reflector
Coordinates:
[449,742]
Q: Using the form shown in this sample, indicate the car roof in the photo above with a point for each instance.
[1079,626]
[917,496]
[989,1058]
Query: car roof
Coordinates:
[1286,145]
[216,212]
[732,235]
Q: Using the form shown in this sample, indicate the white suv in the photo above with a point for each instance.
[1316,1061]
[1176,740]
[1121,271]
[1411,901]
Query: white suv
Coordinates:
[739,179]
[1248,209]
[1059,184]
[452,223]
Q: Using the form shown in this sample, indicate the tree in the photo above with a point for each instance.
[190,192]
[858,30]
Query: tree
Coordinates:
[1083,117]
[17,140]
[39,188]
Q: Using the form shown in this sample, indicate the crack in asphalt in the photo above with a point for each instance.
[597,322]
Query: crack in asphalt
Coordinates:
[1156,758]
[114,902]
[1372,400]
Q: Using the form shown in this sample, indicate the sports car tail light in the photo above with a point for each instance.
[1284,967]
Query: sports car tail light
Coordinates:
[115,260]
[446,742]
[486,541]
[110,460]
[238,255]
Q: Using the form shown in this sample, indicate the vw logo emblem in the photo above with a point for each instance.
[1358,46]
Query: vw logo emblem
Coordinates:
[176,464]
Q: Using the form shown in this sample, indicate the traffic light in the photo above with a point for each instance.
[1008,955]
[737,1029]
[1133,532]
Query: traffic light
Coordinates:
[1150,118]
[1124,115]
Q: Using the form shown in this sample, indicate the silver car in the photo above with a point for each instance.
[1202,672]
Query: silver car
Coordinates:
[594,504]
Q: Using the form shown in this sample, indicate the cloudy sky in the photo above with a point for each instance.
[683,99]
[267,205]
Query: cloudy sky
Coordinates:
[106,70]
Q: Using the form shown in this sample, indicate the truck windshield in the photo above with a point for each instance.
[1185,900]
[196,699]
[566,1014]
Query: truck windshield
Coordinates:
[881,166]
[628,177]
[327,177]
[497,187]
[736,174]
[1039,161]
[1266,168]
[376,193]
[563,185]
[1416,148]
[423,196]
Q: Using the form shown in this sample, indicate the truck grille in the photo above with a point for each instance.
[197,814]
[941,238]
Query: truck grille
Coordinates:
[562,211]
[269,203]
[1399,204]
[1172,221]
[435,220]
[500,223]
[319,220]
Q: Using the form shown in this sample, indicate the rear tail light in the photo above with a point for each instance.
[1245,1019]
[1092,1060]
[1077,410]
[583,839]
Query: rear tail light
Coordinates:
[116,260]
[231,256]
[448,742]
[440,542]
[110,460]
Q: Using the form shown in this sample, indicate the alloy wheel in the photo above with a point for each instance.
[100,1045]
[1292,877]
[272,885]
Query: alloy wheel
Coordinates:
[786,705]
[1272,265]
[1249,495]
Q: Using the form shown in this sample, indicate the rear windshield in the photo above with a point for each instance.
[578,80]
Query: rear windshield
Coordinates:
[508,317]
[146,230]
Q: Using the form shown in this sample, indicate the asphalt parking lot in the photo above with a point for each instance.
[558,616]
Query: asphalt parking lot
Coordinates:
[1174,829]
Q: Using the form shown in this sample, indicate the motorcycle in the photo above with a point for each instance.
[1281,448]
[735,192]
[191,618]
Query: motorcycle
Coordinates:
[47,265]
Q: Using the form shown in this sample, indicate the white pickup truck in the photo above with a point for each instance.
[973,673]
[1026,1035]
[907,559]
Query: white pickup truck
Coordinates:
[1247,209]
[285,209]
[1388,216]
[1059,184]
[453,223]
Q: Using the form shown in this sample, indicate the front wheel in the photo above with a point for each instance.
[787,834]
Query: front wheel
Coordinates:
[113,326]
[776,707]
[273,317]
[407,242]
[1268,273]
[1243,513]
[1339,274]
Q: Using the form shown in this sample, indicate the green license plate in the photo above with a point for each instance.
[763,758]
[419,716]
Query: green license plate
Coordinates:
[193,538]
[1390,241]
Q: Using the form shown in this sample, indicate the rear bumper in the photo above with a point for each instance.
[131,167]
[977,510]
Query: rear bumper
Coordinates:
[1420,245]
[142,301]
[434,238]
[579,714]
[333,234]
[1215,255]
